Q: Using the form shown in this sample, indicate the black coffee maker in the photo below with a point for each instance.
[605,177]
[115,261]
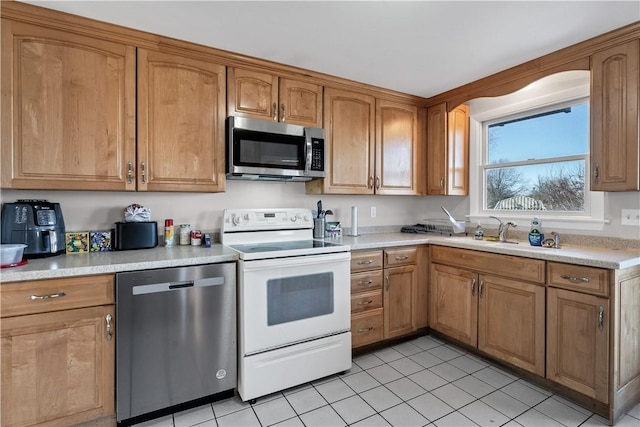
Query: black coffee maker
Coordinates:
[36,223]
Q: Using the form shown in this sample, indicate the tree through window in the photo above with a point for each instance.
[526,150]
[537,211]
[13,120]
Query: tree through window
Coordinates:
[536,161]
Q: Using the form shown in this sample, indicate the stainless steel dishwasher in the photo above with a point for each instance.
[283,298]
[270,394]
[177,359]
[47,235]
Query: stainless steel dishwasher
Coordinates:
[176,336]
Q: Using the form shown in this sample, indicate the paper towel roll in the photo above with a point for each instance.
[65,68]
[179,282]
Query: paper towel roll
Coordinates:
[354,220]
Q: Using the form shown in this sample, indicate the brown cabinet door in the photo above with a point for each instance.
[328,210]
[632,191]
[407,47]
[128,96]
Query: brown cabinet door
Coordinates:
[300,103]
[398,149]
[615,92]
[57,368]
[349,119]
[578,342]
[181,112]
[458,151]
[511,319]
[437,149]
[454,305]
[68,110]
[252,94]
[399,300]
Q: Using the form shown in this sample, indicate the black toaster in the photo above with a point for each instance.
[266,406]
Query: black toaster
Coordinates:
[135,235]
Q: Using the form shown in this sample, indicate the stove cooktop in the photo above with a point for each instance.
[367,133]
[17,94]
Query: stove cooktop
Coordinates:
[282,246]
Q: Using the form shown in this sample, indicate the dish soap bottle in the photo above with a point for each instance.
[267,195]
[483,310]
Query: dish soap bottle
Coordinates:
[535,234]
[479,234]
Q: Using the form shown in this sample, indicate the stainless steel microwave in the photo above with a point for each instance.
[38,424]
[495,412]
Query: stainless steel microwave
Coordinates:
[263,150]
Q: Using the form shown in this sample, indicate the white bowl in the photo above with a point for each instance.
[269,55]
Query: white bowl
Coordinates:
[11,253]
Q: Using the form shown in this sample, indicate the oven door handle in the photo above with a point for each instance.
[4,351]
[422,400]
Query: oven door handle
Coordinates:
[277,263]
[307,154]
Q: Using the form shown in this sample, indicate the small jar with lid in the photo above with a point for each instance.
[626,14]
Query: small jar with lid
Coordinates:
[185,234]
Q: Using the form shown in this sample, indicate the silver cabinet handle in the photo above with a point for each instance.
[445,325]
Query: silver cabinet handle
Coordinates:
[386,278]
[473,287]
[371,181]
[377,182]
[365,302]
[365,282]
[401,257]
[283,116]
[601,318]
[129,172]
[596,173]
[367,262]
[480,289]
[442,182]
[144,174]
[575,279]
[364,330]
[50,296]
[275,112]
[108,319]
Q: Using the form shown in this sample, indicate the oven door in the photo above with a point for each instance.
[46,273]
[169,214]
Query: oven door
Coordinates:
[289,300]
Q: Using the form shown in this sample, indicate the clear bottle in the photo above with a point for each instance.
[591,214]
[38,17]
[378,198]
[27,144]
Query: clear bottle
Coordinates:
[479,234]
[185,234]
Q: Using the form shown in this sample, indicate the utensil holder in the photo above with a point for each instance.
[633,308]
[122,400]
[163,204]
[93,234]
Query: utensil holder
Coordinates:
[318,228]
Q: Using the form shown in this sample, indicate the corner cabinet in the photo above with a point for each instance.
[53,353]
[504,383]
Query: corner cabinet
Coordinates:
[448,150]
[615,106]
[181,113]
[261,95]
[58,350]
[373,146]
[68,110]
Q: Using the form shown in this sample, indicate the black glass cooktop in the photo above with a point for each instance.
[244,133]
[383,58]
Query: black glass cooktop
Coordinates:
[282,246]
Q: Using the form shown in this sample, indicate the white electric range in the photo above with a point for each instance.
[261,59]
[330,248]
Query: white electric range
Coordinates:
[293,300]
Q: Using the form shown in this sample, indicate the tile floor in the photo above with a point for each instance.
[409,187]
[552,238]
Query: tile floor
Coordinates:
[421,382]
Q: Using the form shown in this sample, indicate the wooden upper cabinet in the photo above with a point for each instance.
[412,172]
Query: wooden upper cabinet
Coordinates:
[398,149]
[265,96]
[68,110]
[181,113]
[615,98]
[448,150]
[349,144]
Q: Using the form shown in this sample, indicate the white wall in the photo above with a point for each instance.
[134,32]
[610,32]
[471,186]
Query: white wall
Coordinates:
[85,210]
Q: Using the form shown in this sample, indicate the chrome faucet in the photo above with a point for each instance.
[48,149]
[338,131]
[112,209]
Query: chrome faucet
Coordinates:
[503,228]
[556,240]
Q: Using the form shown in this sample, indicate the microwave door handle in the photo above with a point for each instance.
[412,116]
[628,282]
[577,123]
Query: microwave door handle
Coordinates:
[308,152]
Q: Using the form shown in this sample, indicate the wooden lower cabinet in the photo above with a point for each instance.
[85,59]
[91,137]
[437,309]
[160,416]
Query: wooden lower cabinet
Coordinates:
[399,300]
[385,294]
[58,367]
[501,316]
[511,319]
[578,342]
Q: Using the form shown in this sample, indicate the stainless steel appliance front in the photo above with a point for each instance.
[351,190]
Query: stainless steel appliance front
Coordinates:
[176,336]
[262,150]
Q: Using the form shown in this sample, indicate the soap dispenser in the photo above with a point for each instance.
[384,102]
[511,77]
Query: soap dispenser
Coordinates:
[479,234]
[535,234]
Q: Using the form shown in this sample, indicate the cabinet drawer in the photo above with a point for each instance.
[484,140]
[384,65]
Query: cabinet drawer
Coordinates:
[43,296]
[366,260]
[578,277]
[366,281]
[521,268]
[367,327]
[400,256]
[366,301]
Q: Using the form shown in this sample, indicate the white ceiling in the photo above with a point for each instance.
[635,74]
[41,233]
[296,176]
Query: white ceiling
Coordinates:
[417,47]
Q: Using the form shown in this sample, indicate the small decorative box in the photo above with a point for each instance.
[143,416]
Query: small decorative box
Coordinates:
[100,241]
[77,242]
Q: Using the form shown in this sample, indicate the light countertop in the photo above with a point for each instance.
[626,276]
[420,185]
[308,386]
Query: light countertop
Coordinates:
[161,257]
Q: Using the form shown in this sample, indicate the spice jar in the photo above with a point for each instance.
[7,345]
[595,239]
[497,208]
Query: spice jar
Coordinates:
[196,238]
[185,234]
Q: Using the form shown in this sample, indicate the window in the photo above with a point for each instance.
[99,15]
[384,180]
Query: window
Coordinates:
[536,160]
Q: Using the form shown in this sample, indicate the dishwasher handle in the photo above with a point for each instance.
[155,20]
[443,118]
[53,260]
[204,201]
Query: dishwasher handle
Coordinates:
[176,286]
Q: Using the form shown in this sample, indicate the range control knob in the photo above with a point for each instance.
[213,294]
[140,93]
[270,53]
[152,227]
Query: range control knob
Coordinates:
[294,218]
[306,218]
[236,219]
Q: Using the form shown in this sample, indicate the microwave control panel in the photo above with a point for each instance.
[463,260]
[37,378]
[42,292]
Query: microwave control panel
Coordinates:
[317,154]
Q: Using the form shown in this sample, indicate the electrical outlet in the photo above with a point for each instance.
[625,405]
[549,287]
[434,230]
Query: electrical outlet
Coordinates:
[372,211]
[631,217]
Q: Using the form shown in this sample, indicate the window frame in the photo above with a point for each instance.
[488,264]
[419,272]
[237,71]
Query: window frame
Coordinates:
[522,103]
